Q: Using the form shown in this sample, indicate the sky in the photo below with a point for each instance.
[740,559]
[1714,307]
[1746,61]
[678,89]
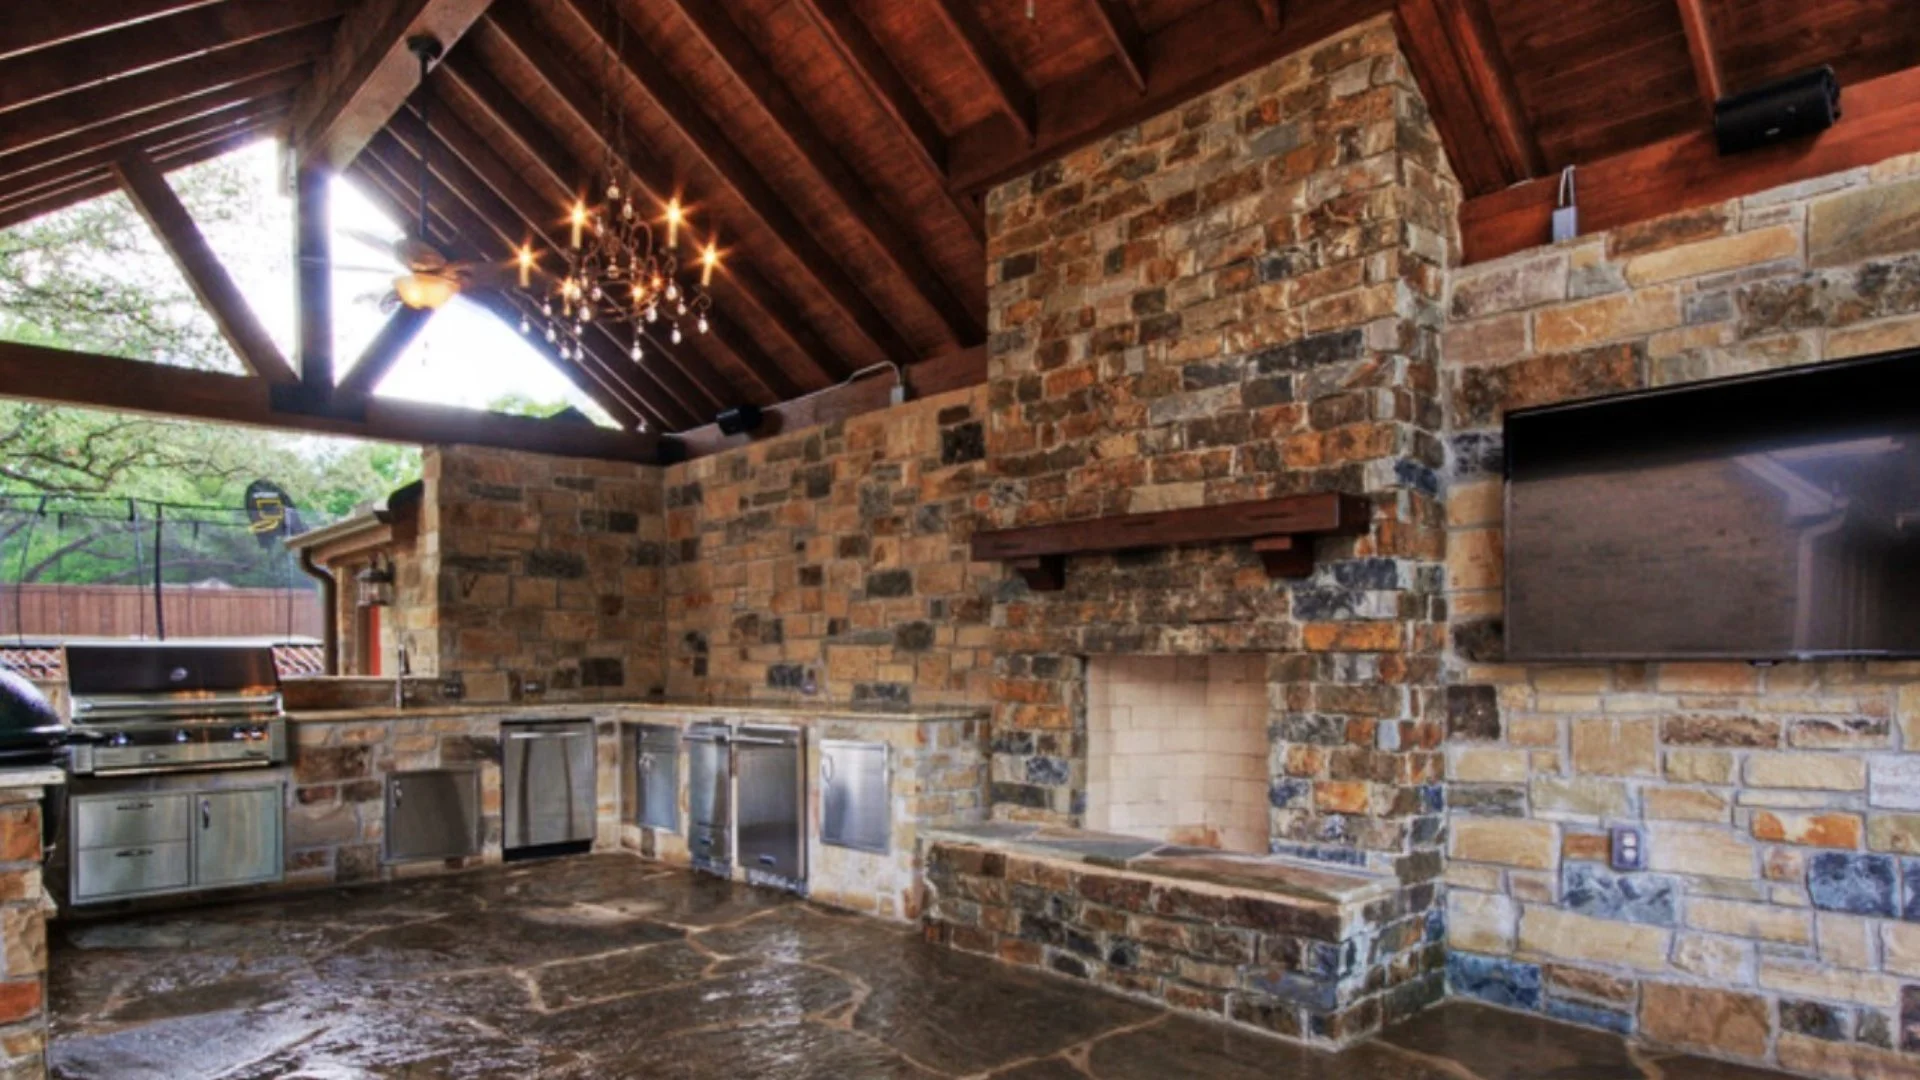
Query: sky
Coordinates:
[464,357]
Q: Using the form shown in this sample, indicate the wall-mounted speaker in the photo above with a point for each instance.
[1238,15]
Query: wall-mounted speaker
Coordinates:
[671,450]
[738,419]
[1789,108]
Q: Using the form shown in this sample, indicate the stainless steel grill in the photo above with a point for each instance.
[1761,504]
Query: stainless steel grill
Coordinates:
[174,707]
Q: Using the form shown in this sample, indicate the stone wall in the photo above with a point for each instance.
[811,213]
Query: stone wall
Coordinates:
[24,907]
[547,575]
[836,557]
[1779,918]
[1238,299]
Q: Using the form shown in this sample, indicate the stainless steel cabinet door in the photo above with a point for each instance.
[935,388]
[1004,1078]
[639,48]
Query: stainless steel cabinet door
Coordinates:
[657,777]
[433,814]
[709,794]
[856,806]
[771,833]
[549,783]
[236,837]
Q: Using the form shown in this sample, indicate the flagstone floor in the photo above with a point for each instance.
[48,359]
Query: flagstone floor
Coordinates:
[607,966]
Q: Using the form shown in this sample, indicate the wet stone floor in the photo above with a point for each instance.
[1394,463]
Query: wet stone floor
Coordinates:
[606,966]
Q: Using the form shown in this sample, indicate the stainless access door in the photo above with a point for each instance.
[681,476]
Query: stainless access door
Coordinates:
[709,749]
[433,814]
[771,829]
[236,836]
[549,791]
[657,777]
[856,804]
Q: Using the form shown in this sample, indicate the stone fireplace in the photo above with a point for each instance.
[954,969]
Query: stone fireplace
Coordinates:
[1177,749]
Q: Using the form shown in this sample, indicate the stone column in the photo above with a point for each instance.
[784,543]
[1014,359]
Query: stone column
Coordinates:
[24,907]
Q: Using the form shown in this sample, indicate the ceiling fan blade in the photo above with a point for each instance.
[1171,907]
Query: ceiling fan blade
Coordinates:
[419,256]
[362,268]
[373,241]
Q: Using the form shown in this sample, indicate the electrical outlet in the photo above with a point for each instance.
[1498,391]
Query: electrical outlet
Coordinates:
[1629,848]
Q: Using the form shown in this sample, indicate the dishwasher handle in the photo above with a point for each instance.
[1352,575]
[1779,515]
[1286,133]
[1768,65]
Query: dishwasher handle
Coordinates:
[534,736]
[750,740]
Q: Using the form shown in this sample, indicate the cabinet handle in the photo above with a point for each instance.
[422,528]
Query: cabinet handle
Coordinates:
[206,813]
[396,792]
[826,768]
[133,806]
[133,853]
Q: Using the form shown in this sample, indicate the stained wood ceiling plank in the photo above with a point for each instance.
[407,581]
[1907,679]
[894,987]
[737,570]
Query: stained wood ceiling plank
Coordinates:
[155,88]
[1124,39]
[564,174]
[1011,93]
[1464,76]
[34,182]
[797,129]
[824,364]
[870,64]
[369,72]
[1273,13]
[41,25]
[154,198]
[66,68]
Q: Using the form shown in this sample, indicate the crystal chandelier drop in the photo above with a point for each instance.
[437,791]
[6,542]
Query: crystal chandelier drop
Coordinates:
[622,264]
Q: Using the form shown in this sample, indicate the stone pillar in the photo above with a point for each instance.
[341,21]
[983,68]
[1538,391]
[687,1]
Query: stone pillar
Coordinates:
[24,907]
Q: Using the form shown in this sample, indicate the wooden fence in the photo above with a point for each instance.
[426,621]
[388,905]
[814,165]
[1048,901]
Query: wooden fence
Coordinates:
[124,611]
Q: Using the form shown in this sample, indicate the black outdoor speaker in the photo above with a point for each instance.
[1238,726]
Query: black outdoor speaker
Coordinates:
[671,451]
[1784,109]
[738,419]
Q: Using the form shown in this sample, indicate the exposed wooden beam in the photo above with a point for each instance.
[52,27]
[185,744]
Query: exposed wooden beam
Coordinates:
[1011,94]
[380,354]
[35,182]
[66,68]
[823,363]
[516,213]
[1463,75]
[60,377]
[796,128]
[1188,56]
[1273,13]
[1706,61]
[1124,40]
[1882,121]
[925,379]
[588,374]
[876,72]
[754,192]
[155,88]
[313,280]
[368,74]
[154,198]
[39,25]
[140,125]
[748,366]
[105,182]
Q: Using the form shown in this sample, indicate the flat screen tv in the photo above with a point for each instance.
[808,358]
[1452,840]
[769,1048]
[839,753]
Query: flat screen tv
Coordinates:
[1765,517]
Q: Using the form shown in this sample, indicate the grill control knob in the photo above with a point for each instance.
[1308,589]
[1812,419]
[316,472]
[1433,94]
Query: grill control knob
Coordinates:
[240,733]
[119,739]
[180,736]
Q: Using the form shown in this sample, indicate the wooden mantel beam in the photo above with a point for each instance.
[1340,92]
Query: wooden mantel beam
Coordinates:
[56,376]
[369,73]
[154,198]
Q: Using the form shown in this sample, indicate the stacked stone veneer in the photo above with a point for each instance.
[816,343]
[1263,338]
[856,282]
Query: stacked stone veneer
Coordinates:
[1779,918]
[24,907]
[546,576]
[836,556]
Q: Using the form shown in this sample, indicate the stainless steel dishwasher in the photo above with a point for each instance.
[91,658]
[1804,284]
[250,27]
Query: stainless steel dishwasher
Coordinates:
[549,797]
[710,797]
[771,785]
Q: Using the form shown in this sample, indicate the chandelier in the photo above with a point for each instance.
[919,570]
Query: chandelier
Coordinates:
[622,266]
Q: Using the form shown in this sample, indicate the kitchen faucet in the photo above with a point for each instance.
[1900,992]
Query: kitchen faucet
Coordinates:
[400,673]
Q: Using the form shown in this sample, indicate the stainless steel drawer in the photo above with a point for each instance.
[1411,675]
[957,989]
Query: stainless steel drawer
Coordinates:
[856,803]
[124,820]
[103,873]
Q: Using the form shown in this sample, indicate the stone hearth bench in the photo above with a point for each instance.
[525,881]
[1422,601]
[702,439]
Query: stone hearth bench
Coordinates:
[1320,955]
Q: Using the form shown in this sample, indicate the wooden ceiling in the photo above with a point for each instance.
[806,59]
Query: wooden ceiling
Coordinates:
[838,149]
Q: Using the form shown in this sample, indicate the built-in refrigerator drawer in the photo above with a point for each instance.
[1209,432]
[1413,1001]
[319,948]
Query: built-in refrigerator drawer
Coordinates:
[771,834]
[657,777]
[134,870]
[856,804]
[135,818]
[433,814]
[709,749]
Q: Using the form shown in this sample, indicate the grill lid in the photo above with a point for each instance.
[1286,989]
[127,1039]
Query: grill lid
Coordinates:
[170,669]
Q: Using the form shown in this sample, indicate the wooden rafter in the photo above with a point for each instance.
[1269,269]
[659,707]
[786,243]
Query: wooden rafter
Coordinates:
[178,156]
[108,382]
[313,280]
[824,364]
[154,198]
[461,76]
[754,192]
[1700,48]
[883,82]
[465,160]
[1883,121]
[384,350]
[153,89]
[133,128]
[792,123]
[1273,13]
[1464,76]
[32,183]
[37,26]
[481,219]
[1010,91]
[588,374]
[62,69]
[1122,32]
[369,72]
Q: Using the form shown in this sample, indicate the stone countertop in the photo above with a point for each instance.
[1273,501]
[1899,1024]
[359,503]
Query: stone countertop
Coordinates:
[1271,874]
[637,711]
[32,776]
